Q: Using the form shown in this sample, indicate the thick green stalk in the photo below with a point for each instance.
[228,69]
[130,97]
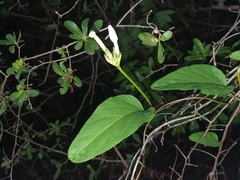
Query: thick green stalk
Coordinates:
[135,85]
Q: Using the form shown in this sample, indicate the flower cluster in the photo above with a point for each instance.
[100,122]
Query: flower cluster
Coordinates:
[113,58]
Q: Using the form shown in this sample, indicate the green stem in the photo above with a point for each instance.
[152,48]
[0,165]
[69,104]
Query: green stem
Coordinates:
[135,85]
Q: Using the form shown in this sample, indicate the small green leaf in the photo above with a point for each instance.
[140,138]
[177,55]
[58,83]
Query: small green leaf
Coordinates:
[137,138]
[71,26]
[77,81]
[60,80]
[114,120]
[150,62]
[210,139]
[64,88]
[5,42]
[236,44]
[3,107]
[148,39]
[57,173]
[11,38]
[97,25]
[51,27]
[14,96]
[166,36]
[84,25]
[198,45]
[11,70]
[11,49]
[76,37]
[208,79]
[63,67]
[207,49]
[194,57]
[178,130]
[90,46]
[57,69]
[33,93]
[160,53]
[224,50]
[235,55]
[78,46]
[54,162]
[193,126]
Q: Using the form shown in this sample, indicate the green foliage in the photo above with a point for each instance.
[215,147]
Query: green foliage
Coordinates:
[210,139]
[12,41]
[58,166]
[93,173]
[22,94]
[18,67]
[90,46]
[148,78]
[114,120]
[66,78]
[200,51]
[235,55]
[150,40]
[206,78]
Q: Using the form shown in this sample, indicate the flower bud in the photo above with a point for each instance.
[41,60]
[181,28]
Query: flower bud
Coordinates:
[113,38]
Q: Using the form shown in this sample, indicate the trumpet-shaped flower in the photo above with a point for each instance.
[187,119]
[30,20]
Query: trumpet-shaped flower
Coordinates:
[93,35]
[113,58]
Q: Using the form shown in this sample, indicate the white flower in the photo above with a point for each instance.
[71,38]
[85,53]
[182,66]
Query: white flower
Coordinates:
[93,35]
[113,58]
[113,38]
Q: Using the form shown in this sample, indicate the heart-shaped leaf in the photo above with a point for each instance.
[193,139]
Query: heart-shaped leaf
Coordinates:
[210,139]
[208,79]
[115,119]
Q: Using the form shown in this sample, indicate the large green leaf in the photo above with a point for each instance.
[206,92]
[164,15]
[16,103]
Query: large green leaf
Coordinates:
[208,79]
[210,139]
[115,119]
